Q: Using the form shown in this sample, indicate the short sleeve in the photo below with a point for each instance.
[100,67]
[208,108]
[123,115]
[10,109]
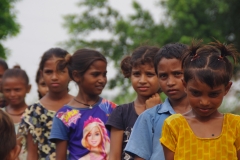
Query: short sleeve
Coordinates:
[237,142]
[168,138]
[140,141]
[116,119]
[59,130]
[30,122]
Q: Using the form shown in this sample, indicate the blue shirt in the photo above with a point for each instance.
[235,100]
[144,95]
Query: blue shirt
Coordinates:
[144,140]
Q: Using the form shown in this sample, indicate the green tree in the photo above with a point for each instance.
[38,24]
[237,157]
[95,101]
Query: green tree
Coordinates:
[184,20]
[8,25]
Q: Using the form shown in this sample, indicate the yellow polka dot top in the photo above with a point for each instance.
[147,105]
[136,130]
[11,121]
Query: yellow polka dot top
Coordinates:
[179,138]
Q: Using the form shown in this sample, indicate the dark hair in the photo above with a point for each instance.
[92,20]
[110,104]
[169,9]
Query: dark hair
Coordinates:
[37,79]
[52,52]
[3,64]
[209,63]
[170,51]
[16,72]
[7,134]
[141,55]
[80,61]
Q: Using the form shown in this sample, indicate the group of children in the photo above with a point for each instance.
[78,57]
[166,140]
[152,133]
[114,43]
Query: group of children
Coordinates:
[187,125]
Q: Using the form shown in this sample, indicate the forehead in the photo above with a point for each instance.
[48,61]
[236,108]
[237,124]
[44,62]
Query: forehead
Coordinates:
[98,65]
[51,62]
[145,66]
[14,81]
[201,86]
[169,64]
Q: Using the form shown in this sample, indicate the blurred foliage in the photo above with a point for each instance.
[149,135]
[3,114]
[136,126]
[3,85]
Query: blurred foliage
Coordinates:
[183,20]
[8,25]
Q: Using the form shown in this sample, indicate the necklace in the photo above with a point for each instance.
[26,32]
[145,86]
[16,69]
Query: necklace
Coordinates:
[89,105]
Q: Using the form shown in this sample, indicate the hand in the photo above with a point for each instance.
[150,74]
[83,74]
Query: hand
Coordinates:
[153,101]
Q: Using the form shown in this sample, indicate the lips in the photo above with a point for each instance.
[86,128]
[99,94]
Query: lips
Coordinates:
[172,91]
[143,88]
[204,110]
[55,84]
[100,87]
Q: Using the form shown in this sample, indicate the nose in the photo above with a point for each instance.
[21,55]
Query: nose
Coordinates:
[54,76]
[204,101]
[170,81]
[102,79]
[142,79]
[12,93]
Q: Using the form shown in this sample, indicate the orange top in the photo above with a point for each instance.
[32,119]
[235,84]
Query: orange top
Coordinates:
[179,138]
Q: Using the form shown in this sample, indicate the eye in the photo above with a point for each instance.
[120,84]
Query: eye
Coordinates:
[162,76]
[150,74]
[214,94]
[195,93]
[136,73]
[177,74]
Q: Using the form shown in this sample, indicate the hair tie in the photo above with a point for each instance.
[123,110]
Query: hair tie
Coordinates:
[195,57]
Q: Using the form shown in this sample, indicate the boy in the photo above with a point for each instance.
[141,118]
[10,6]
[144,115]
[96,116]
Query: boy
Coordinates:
[144,140]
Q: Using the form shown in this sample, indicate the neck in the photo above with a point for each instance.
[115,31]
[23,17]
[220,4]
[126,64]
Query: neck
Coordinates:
[181,105]
[57,96]
[140,102]
[16,109]
[87,99]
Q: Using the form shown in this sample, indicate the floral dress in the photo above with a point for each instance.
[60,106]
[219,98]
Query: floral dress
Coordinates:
[37,120]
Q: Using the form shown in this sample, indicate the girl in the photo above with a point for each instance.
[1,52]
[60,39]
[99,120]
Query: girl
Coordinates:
[3,68]
[36,122]
[15,87]
[204,132]
[42,87]
[9,149]
[139,67]
[88,69]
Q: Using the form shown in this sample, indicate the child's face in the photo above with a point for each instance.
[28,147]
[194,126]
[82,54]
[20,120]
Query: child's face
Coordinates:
[170,75]
[94,137]
[42,87]
[15,90]
[56,81]
[144,80]
[203,99]
[94,79]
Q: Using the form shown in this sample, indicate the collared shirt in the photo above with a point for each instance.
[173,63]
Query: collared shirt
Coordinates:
[144,139]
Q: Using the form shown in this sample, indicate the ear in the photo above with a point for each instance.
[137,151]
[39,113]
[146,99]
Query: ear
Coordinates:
[29,88]
[14,152]
[185,85]
[227,87]
[76,76]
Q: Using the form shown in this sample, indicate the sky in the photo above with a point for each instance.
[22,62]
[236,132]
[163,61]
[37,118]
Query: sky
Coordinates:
[41,28]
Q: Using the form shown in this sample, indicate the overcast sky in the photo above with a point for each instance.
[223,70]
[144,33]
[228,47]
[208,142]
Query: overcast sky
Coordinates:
[41,28]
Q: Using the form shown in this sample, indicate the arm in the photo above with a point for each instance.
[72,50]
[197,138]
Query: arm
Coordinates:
[153,101]
[61,149]
[116,144]
[169,155]
[32,148]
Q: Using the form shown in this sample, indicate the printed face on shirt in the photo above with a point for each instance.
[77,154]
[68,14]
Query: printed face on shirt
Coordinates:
[203,99]
[144,80]
[42,87]
[170,75]
[94,79]
[56,80]
[94,137]
[15,90]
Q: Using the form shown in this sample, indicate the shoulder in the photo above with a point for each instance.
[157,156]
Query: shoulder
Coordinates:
[232,118]
[107,103]
[175,118]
